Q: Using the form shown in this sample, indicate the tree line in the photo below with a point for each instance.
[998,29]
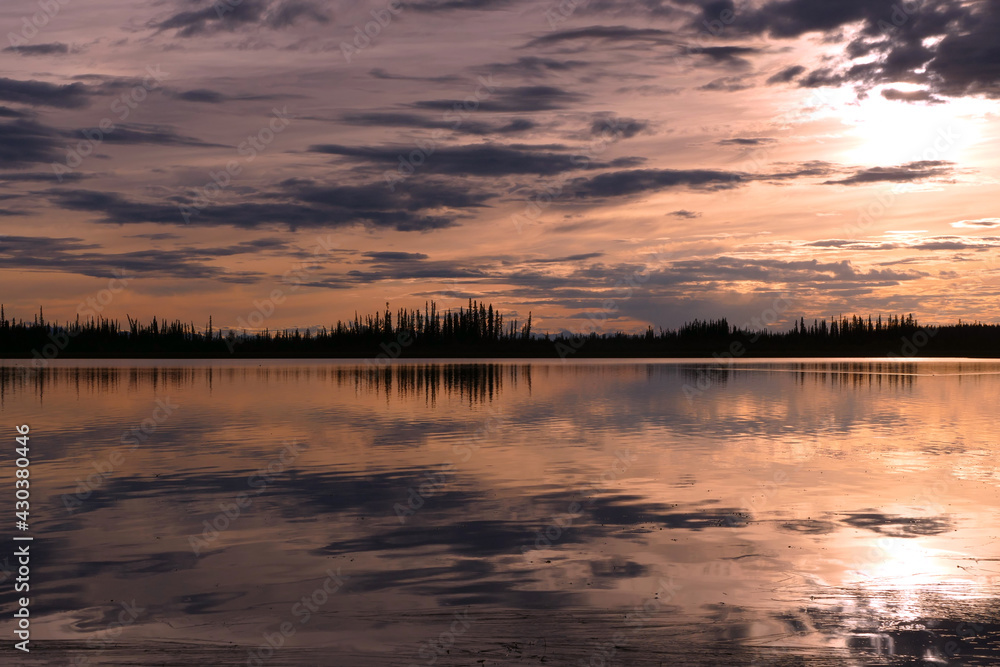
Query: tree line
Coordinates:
[480,330]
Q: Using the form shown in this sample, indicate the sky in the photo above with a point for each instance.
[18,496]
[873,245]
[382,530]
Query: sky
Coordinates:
[603,165]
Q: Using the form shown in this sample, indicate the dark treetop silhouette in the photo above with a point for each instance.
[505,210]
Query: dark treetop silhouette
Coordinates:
[481,331]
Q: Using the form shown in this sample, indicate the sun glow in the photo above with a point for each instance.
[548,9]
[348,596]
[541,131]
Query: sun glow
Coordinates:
[893,132]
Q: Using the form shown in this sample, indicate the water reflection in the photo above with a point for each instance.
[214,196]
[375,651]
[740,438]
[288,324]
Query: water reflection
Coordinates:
[474,382]
[807,513]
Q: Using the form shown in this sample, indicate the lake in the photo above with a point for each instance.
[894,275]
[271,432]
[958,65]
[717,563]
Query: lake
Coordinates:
[793,512]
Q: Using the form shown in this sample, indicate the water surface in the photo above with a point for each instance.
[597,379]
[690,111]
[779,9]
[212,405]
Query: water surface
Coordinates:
[813,512]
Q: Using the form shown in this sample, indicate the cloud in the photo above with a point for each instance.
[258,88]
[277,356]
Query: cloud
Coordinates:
[418,121]
[136,133]
[780,271]
[41,93]
[161,236]
[926,243]
[534,66]
[568,258]
[685,214]
[725,55]
[209,96]
[822,77]
[912,171]
[983,223]
[911,96]
[622,183]
[728,84]
[29,176]
[24,142]
[201,95]
[607,33]
[382,74]
[395,256]
[746,141]
[233,15]
[288,13]
[786,75]
[621,127]
[458,5]
[519,99]
[967,60]
[51,49]
[477,160]
[416,205]
[73,255]
[947,45]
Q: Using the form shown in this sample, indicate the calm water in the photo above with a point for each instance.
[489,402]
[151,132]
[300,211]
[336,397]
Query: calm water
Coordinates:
[796,513]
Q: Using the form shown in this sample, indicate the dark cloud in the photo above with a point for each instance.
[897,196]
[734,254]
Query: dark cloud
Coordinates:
[233,15]
[23,142]
[477,160]
[515,126]
[746,141]
[457,5]
[135,133]
[622,183]
[299,204]
[726,55]
[607,33]
[728,84]
[839,243]
[41,93]
[803,170]
[953,245]
[73,255]
[912,171]
[620,127]
[568,258]
[786,75]
[51,49]
[793,18]
[209,96]
[201,95]
[520,99]
[290,12]
[948,45]
[685,214]
[822,77]
[654,8]
[410,195]
[911,96]
[30,176]
[967,60]
[395,256]
[162,236]
[380,73]
[534,66]
[778,271]
[418,121]
[586,284]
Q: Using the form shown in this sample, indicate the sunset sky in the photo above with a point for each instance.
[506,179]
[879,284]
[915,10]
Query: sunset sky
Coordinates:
[631,162]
